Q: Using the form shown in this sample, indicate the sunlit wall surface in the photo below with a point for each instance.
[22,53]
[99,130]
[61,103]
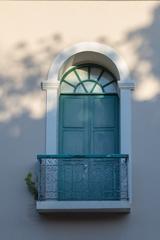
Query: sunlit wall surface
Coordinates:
[31,34]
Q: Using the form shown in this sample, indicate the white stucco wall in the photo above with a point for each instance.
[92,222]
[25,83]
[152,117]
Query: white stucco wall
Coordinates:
[31,34]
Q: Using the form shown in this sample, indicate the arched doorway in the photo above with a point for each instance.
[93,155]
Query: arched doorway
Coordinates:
[51,185]
[88,125]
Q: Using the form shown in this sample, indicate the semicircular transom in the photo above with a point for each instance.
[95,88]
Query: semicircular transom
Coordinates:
[88,79]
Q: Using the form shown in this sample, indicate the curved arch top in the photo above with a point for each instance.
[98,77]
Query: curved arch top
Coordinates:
[88,78]
[94,47]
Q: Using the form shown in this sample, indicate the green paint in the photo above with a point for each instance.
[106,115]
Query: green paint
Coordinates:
[89,125]
[95,84]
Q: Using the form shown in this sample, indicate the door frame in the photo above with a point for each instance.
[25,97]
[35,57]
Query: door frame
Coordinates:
[103,55]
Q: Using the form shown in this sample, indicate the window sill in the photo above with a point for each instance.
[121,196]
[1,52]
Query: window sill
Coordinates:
[83,206]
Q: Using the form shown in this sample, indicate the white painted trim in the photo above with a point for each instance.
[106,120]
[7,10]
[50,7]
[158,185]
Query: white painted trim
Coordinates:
[108,52]
[45,85]
[82,206]
[52,121]
[125,132]
[51,86]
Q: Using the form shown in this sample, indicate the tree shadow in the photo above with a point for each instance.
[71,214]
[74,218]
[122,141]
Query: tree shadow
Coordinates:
[21,73]
[22,118]
[145,46]
[22,108]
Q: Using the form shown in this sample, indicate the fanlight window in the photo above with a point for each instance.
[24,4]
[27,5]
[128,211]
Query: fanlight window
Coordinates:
[88,79]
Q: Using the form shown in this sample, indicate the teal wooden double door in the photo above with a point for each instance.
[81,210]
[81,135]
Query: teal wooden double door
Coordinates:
[88,124]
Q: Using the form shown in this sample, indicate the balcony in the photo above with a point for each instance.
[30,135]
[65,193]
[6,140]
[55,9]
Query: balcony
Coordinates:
[83,183]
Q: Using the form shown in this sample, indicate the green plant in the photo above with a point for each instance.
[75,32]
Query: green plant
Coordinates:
[31,185]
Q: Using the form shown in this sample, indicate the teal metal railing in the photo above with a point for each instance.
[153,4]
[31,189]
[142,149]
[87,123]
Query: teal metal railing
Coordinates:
[83,177]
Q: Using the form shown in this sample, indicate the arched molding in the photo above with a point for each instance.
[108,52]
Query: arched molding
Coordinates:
[104,50]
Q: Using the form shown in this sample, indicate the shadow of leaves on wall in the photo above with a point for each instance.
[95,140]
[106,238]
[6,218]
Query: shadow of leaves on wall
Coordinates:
[22,106]
[145,44]
[22,113]
[21,72]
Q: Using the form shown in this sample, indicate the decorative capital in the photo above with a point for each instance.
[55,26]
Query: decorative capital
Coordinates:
[126,85]
[46,85]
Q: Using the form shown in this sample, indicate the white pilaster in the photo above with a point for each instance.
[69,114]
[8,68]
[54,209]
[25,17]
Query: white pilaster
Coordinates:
[126,128]
[51,89]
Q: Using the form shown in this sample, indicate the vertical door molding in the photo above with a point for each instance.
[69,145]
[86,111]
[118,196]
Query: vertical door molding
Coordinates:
[125,128]
[51,143]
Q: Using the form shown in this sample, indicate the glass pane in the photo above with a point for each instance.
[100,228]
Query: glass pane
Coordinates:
[105,78]
[72,78]
[89,85]
[95,73]
[65,88]
[80,89]
[110,88]
[97,89]
[83,73]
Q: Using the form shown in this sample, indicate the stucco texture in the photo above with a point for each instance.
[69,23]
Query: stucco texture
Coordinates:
[31,34]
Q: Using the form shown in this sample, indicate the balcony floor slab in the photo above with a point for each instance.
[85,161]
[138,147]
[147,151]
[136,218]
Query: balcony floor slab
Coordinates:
[49,206]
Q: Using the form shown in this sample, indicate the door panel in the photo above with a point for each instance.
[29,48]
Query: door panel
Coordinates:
[73,135]
[104,129]
[74,141]
[73,181]
[103,141]
[73,125]
[88,124]
[73,112]
[104,124]
[103,111]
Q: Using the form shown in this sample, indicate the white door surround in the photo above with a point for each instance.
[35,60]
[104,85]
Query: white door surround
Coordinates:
[89,52]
